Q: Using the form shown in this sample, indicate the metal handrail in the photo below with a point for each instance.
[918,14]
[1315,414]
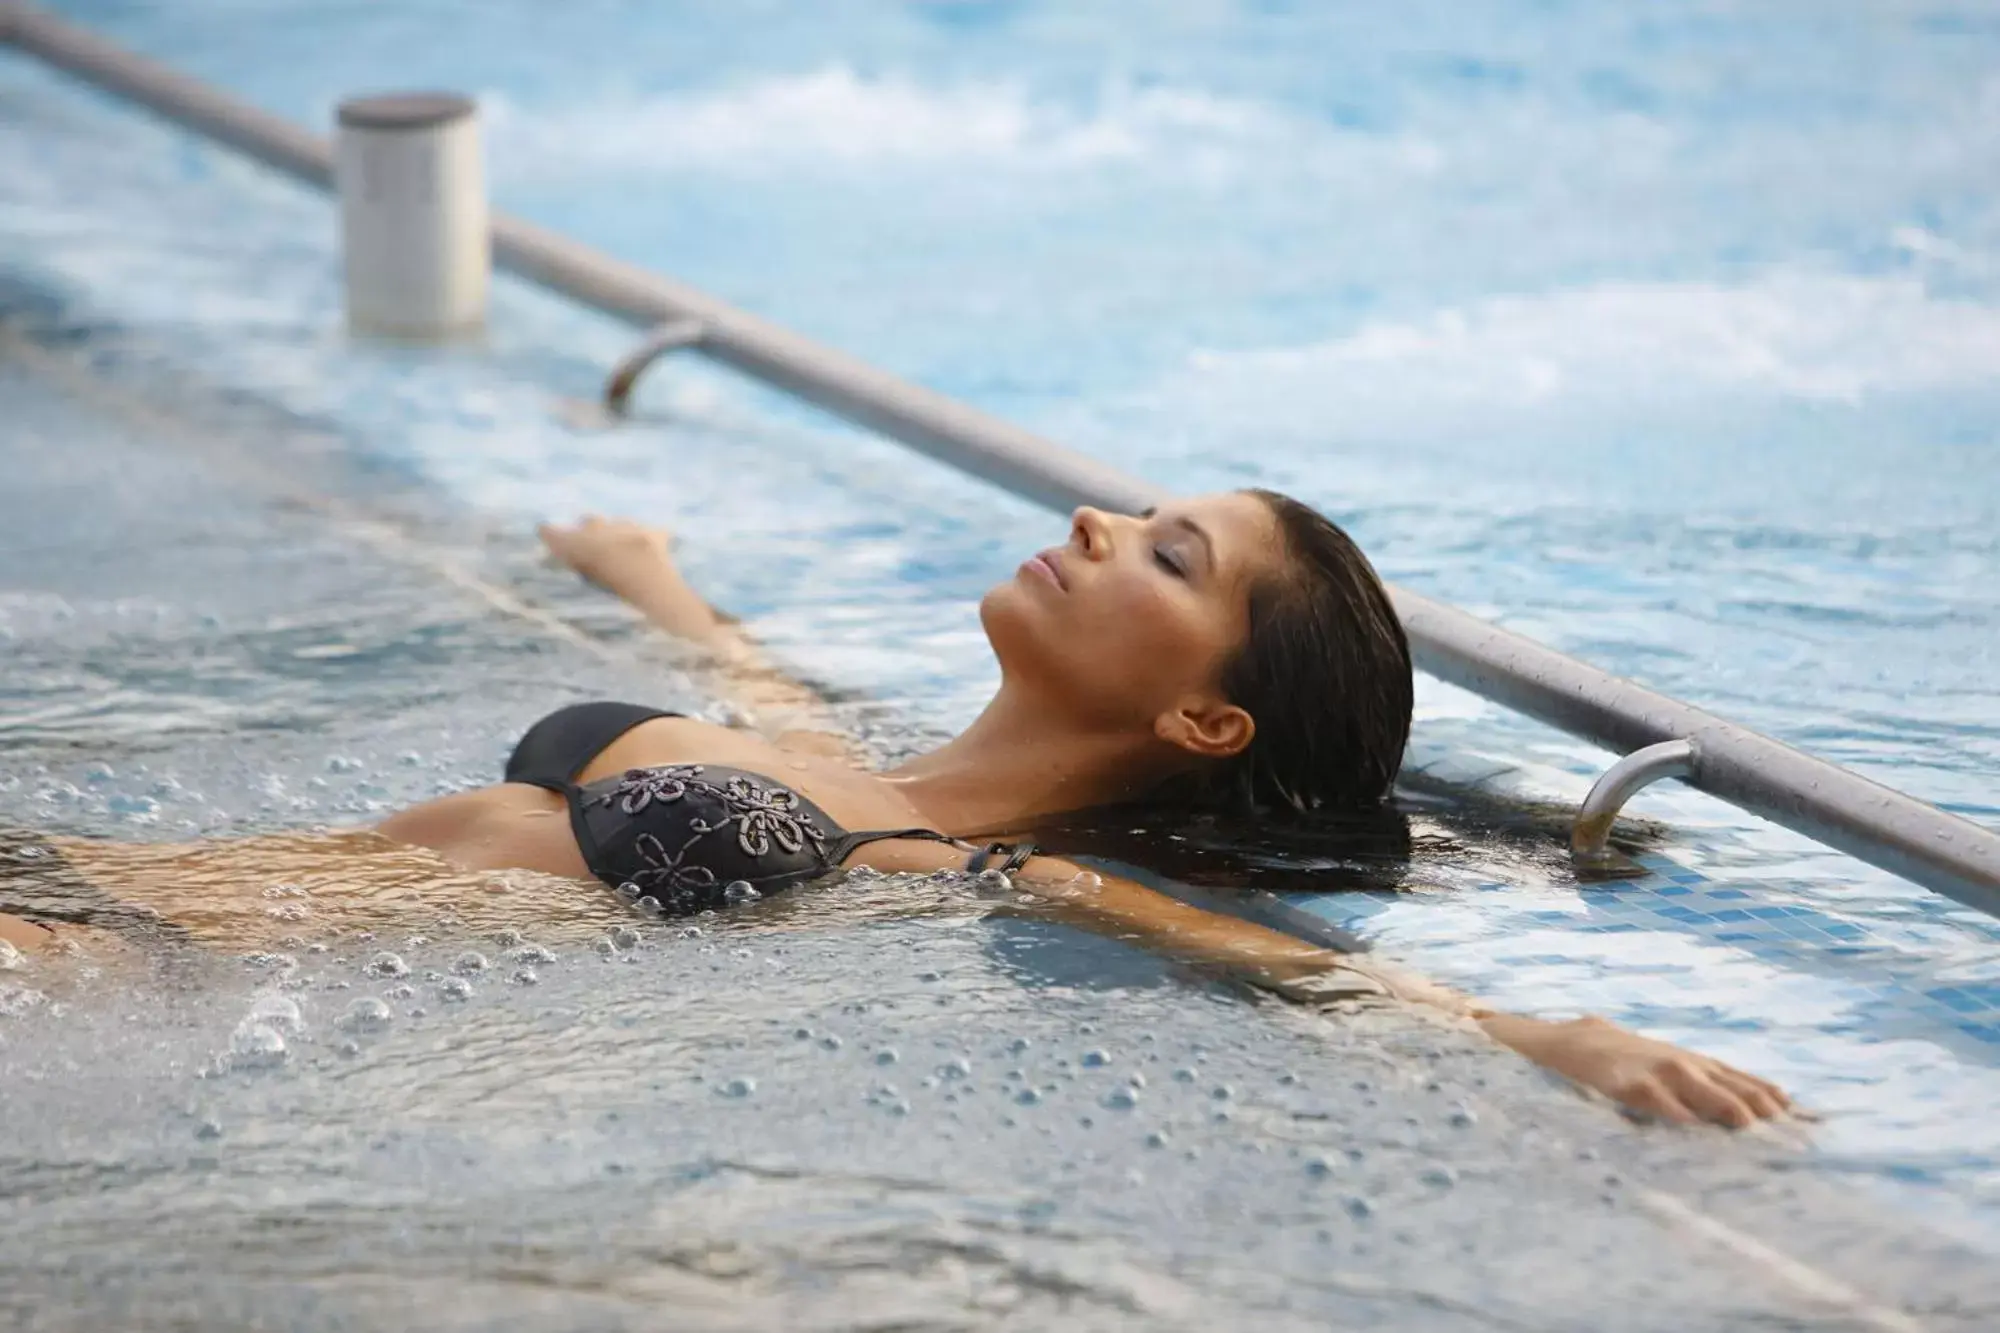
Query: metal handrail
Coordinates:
[1590,835]
[1821,800]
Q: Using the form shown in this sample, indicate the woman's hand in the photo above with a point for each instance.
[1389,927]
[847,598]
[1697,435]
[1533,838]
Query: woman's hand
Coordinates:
[613,553]
[1640,1073]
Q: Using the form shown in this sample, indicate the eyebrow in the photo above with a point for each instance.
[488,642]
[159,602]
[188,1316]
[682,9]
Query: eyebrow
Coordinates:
[1183,521]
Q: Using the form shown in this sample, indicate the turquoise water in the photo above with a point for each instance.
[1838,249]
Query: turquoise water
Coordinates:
[1665,335]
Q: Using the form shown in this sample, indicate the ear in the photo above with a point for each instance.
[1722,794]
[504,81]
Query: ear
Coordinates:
[1206,727]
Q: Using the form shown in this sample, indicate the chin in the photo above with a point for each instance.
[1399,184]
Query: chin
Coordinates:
[1016,629]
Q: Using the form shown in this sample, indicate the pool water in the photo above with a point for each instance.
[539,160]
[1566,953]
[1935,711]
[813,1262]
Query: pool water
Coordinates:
[1665,336]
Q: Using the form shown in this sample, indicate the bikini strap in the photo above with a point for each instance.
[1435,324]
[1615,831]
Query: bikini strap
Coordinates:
[850,842]
[1017,853]
[1017,856]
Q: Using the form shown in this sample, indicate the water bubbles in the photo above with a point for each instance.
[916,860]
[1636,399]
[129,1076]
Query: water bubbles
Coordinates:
[604,948]
[1462,1117]
[470,963]
[364,1014]
[1319,1168]
[1121,1099]
[1095,1059]
[257,1046]
[409,759]
[1358,1207]
[690,932]
[830,1042]
[399,992]
[279,1011]
[1019,1045]
[18,1000]
[992,883]
[887,1056]
[532,955]
[1438,1177]
[740,1086]
[11,958]
[1028,1097]
[738,892]
[386,964]
[208,1130]
[509,938]
[270,962]
[624,937]
[526,976]
[455,990]
[341,763]
[650,906]
[98,774]
[1222,1092]
[930,974]
[290,913]
[134,809]
[1184,1075]
[629,891]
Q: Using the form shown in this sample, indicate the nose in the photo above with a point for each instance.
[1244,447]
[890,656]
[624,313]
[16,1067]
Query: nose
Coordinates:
[1090,532]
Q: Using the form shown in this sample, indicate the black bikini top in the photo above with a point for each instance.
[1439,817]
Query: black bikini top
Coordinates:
[692,836]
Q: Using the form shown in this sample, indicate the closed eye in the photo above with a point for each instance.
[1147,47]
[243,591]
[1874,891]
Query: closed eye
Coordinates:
[1171,561]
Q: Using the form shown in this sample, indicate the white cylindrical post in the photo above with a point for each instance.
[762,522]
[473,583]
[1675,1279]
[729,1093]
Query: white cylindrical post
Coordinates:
[413,215]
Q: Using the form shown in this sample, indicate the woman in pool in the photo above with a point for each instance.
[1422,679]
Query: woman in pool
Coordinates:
[1235,650]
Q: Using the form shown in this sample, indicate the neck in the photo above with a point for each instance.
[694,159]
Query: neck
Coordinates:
[1013,764]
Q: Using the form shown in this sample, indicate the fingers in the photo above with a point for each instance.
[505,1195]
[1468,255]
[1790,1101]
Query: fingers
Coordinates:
[1710,1098]
[1655,1098]
[1687,1090]
[1767,1101]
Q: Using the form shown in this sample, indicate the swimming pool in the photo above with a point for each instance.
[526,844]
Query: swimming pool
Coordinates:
[1568,314]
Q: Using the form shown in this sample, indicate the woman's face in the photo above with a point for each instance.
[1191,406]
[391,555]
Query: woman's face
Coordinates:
[1135,618]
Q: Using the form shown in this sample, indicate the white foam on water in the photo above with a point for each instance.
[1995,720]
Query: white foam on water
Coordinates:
[1817,337]
[835,119]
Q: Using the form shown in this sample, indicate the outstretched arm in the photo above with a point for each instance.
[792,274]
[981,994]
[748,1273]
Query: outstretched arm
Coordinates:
[1642,1074]
[636,563]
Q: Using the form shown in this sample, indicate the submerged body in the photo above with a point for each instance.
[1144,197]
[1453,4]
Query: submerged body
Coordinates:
[1230,650]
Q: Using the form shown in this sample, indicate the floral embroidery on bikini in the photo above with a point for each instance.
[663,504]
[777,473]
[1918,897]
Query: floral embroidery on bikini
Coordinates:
[667,874]
[762,814]
[771,814]
[640,787]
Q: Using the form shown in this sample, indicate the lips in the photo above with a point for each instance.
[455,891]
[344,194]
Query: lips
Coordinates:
[1047,565]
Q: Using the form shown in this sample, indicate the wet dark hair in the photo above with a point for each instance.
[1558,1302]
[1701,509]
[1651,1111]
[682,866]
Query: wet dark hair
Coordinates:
[1325,673]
